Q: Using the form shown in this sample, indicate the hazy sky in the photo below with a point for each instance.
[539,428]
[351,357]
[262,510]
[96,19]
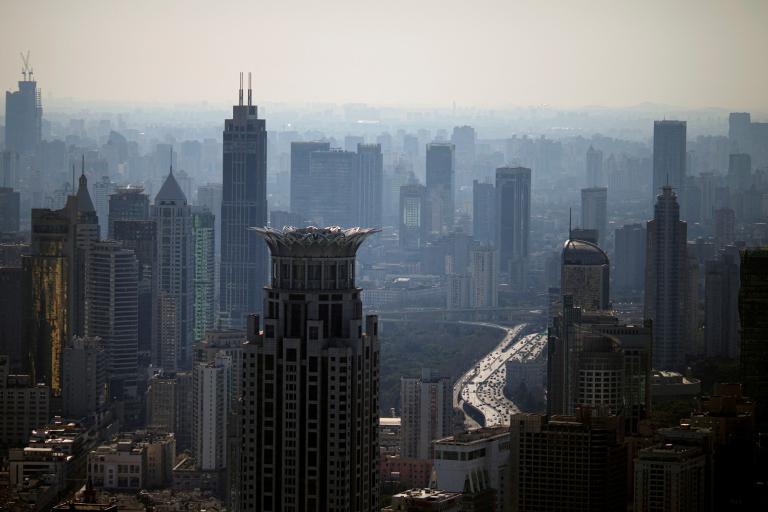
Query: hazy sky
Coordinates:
[691,53]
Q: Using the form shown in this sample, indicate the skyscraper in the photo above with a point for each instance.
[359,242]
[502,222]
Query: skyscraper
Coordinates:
[629,263]
[371,177]
[244,205]
[309,437]
[203,227]
[666,280]
[585,275]
[440,184]
[112,312]
[464,140]
[595,176]
[9,210]
[753,304]
[740,131]
[594,212]
[301,189]
[414,216]
[721,305]
[127,203]
[426,413]
[484,273]
[739,172]
[174,298]
[84,366]
[23,115]
[669,155]
[210,414]
[483,212]
[334,179]
[513,217]
[209,196]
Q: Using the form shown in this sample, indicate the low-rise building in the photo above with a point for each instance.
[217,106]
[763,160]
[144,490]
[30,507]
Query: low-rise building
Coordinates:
[133,461]
[669,385]
[403,473]
[427,500]
[670,477]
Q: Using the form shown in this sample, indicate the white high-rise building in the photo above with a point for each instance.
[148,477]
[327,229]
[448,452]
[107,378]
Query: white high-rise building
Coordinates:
[427,413]
[212,397]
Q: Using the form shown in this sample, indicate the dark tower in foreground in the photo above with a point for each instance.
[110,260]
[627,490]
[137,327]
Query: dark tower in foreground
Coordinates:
[244,204]
[309,438]
[753,304]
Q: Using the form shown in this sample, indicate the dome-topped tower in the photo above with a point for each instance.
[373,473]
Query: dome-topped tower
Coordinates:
[585,274]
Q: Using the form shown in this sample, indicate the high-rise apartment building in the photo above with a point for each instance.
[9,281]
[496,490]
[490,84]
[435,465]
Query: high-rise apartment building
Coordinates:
[666,281]
[513,222]
[203,233]
[629,263]
[483,212]
[127,203]
[441,169]
[301,189]
[595,177]
[310,408]
[669,155]
[85,366]
[211,384]
[414,216]
[725,227]
[174,296]
[112,312]
[23,116]
[426,413]
[575,463]
[244,205]
[753,304]
[585,275]
[371,178]
[594,212]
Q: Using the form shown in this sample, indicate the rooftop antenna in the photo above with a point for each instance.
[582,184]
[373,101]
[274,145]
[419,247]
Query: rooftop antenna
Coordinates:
[82,166]
[241,89]
[26,69]
[249,88]
[73,175]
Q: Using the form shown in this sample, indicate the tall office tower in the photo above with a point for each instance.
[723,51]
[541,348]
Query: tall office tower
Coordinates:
[112,312]
[585,275]
[301,188]
[141,237]
[513,218]
[310,412]
[127,203]
[55,293]
[9,210]
[244,205]
[725,227]
[464,139]
[753,303]
[426,413]
[739,172]
[575,463]
[483,212]
[484,272]
[210,196]
[666,280]
[192,157]
[740,132]
[414,216]
[669,156]
[595,177]
[23,115]
[440,185]
[203,233]
[85,364]
[371,178]
[9,169]
[629,264]
[334,181]
[671,477]
[12,283]
[174,298]
[721,302]
[594,212]
[211,384]
[102,190]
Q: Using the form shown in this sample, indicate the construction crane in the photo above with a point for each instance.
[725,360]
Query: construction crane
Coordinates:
[26,69]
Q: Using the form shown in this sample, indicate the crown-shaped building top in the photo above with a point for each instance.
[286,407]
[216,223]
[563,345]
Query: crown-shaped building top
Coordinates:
[315,242]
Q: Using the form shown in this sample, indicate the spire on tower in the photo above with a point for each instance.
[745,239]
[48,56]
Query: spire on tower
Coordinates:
[82,165]
[171,160]
[249,89]
[241,89]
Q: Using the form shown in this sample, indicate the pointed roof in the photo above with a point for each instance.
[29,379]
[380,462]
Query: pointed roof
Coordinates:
[170,191]
[84,203]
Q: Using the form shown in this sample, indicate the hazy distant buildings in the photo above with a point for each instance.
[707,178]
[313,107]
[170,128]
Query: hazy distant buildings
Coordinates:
[174,297]
[9,210]
[464,140]
[371,179]
[483,212]
[483,273]
[244,205]
[629,263]
[203,234]
[210,196]
[440,184]
[669,156]
[127,203]
[666,281]
[595,177]
[513,217]
[426,413]
[301,189]
[415,216]
[594,212]
[314,373]
[23,117]
[334,181]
